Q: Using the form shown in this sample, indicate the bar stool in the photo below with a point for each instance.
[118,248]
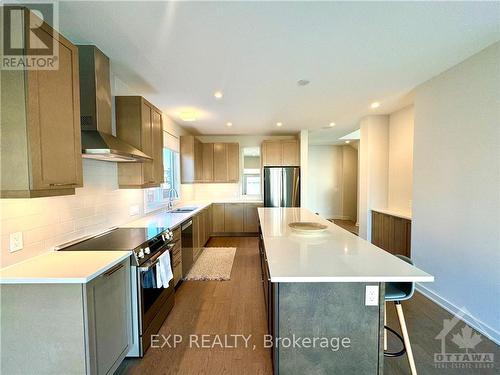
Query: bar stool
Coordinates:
[397,292]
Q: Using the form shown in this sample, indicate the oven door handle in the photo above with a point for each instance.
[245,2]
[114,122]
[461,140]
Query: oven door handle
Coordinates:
[156,259]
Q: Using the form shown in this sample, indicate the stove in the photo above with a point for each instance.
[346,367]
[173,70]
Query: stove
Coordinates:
[144,242]
[150,304]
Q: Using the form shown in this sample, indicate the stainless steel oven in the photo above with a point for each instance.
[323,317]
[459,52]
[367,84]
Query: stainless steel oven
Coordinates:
[154,303]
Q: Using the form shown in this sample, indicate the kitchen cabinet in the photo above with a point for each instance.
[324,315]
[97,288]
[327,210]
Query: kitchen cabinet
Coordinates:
[218,217]
[85,329]
[139,123]
[233,217]
[220,162]
[233,162]
[251,218]
[208,162]
[40,125]
[391,233]
[284,152]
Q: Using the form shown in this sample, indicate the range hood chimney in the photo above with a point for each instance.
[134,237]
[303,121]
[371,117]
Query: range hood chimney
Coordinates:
[95,111]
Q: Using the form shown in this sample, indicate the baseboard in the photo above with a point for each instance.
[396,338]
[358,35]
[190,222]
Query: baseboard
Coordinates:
[467,318]
[234,234]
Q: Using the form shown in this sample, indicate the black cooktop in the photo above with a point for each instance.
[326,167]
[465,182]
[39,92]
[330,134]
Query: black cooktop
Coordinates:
[117,239]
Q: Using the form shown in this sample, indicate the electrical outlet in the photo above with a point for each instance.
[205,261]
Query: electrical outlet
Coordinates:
[16,241]
[371,295]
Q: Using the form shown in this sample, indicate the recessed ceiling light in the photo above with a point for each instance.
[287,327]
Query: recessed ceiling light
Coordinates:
[187,116]
[375,105]
[347,141]
[218,95]
[279,124]
[229,124]
[332,124]
[303,82]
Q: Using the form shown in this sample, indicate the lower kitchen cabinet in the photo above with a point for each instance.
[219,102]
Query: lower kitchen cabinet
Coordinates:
[177,256]
[67,328]
[218,217]
[234,218]
[251,218]
[391,233]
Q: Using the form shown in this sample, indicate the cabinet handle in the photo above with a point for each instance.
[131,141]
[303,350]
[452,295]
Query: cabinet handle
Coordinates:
[112,270]
[68,184]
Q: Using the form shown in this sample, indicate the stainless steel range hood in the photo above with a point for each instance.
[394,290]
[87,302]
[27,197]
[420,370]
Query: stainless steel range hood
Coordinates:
[95,111]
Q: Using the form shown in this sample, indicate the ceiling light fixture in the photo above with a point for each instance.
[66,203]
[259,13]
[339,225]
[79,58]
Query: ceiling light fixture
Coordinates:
[347,141]
[218,95]
[332,124]
[279,124]
[188,116]
[229,124]
[303,82]
[375,105]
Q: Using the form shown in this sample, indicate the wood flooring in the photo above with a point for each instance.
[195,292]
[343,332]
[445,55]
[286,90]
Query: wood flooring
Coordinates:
[237,307]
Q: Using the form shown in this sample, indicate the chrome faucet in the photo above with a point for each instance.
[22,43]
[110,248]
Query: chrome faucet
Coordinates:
[172,193]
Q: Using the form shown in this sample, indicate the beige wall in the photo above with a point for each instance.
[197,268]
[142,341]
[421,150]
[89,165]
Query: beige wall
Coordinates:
[349,183]
[332,181]
[456,200]
[399,194]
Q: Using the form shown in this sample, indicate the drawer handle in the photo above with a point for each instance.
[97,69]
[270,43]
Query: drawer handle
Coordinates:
[112,270]
[58,184]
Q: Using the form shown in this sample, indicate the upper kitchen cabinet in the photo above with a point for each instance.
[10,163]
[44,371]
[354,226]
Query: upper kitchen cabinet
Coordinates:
[209,162]
[40,125]
[139,123]
[190,159]
[284,152]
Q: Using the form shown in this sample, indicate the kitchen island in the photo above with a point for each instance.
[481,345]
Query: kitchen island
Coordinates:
[325,295]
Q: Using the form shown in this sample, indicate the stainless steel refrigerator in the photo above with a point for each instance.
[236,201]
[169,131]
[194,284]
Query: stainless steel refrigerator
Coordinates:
[281,187]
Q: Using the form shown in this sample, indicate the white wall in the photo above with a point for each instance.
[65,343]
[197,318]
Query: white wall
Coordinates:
[325,180]
[400,159]
[456,199]
[373,169]
[349,183]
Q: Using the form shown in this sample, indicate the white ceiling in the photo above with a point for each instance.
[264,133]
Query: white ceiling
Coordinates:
[177,54]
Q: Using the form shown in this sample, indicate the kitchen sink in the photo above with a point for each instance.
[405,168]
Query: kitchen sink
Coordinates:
[184,209]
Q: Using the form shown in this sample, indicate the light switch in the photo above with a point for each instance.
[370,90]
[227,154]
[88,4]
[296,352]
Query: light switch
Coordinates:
[16,241]
[371,295]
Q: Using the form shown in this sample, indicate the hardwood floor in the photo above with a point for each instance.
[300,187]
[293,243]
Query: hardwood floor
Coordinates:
[234,307]
[237,307]
[347,225]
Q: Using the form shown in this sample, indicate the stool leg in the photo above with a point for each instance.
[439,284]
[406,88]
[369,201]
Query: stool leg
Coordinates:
[385,323]
[406,338]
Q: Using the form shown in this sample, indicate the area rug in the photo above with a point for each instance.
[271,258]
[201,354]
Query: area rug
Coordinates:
[214,263]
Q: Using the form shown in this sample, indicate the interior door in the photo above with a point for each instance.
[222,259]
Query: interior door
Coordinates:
[291,187]
[272,186]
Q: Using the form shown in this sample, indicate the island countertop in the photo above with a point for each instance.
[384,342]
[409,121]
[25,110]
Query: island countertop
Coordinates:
[335,255]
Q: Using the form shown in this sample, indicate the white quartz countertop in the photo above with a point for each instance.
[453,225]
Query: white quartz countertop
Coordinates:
[62,267]
[335,255]
[405,214]
[164,219]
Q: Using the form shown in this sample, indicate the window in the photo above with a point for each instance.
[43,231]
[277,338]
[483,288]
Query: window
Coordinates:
[155,198]
[251,171]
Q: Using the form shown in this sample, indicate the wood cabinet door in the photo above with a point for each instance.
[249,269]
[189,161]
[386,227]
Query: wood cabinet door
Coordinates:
[209,222]
[187,159]
[272,153]
[208,162]
[218,217]
[233,217]
[53,98]
[251,220]
[220,162]
[147,143]
[156,120]
[233,162]
[290,152]
[198,160]
[109,317]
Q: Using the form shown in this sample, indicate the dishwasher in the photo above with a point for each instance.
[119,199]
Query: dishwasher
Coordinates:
[187,246]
